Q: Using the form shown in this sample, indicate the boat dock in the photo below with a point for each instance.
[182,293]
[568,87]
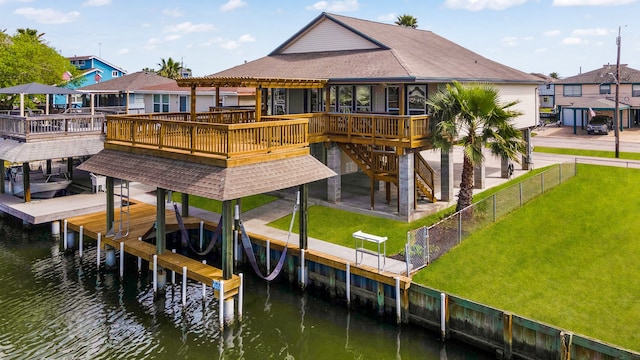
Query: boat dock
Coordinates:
[142,220]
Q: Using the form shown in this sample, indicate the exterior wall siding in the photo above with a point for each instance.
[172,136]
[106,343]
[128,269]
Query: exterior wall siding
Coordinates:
[324,37]
[527,97]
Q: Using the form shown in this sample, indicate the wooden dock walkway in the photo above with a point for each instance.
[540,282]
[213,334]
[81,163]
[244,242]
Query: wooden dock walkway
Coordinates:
[142,218]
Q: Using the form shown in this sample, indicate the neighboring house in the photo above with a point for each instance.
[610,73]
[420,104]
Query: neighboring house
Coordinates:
[146,92]
[94,70]
[580,97]
[546,95]
[379,70]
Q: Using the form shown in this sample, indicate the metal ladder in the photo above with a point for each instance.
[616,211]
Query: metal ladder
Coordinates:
[122,224]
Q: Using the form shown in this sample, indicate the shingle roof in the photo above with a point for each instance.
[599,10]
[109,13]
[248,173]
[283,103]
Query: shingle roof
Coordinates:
[407,54]
[603,76]
[15,151]
[131,82]
[208,181]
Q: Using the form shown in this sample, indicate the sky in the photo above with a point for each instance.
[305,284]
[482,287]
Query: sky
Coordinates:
[535,36]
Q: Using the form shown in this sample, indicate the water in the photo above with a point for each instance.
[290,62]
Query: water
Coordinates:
[57,306]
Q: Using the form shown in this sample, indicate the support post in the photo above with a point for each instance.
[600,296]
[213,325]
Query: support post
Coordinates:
[110,202]
[240,295]
[302,198]
[398,305]
[98,248]
[184,286]
[185,204]
[479,175]
[204,286]
[348,278]
[155,273]
[406,185]
[221,304]
[446,177]
[80,239]
[227,240]
[26,184]
[334,183]
[64,235]
[121,259]
[303,270]
[161,239]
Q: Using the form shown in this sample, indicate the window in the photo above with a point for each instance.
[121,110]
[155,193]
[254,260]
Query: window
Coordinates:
[393,100]
[605,89]
[160,103]
[635,90]
[81,62]
[114,73]
[345,99]
[316,99]
[363,98]
[279,101]
[417,99]
[572,90]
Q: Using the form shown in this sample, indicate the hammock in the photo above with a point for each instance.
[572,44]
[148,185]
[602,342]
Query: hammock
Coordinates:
[246,244]
[185,236]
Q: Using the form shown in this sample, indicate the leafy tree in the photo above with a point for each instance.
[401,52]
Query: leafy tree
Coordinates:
[554,75]
[472,116]
[26,58]
[407,21]
[169,68]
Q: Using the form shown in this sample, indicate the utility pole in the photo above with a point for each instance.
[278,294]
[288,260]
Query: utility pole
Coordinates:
[617,121]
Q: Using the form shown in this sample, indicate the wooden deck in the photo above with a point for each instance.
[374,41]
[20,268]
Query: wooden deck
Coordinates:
[142,219]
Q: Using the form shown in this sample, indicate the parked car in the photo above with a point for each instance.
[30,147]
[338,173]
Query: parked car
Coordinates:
[599,124]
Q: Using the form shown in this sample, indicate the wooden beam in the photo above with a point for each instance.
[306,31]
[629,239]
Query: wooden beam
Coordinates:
[192,102]
[161,236]
[227,239]
[258,104]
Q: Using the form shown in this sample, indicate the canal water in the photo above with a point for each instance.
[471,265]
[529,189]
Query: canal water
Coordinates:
[58,306]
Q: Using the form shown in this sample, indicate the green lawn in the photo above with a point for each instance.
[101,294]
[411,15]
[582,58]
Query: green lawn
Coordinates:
[568,258]
[246,204]
[336,226]
[580,152]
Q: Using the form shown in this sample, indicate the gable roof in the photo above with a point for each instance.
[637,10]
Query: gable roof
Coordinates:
[89,57]
[603,76]
[379,52]
[136,81]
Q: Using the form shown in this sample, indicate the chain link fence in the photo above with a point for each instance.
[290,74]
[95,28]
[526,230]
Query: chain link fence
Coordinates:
[426,244]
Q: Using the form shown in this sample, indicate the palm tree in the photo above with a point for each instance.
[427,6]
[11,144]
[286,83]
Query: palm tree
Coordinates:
[31,33]
[169,68]
[472,116]
[407,21]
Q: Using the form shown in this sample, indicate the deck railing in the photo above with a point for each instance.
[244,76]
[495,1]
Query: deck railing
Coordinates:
[403,128]
[50,126]
[212,117]
[223,140]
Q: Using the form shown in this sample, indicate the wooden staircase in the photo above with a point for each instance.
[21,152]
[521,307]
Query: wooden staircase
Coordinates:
[425,184]
[381,163]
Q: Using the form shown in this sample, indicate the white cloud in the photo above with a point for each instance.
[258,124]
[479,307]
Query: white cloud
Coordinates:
[122,51]
[510,41]
[573,41]
[551,33]
[591,2]
[173,37]
[246,38]
[188,27]
[590,32]
[527,38]
[335,5]
[229,44]
[176,12]
[477,5]
[388,17]
[232,5]
[47,16]
[540,50]
[97,3]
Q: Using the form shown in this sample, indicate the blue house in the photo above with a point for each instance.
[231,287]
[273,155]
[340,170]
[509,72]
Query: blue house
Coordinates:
[94,70]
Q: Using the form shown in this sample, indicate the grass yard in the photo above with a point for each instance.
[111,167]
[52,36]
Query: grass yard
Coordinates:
[581,152]
[569,258]
[336,226]
[246,204]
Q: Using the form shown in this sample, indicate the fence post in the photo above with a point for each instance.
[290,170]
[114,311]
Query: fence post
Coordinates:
[520,183]
[493,197]
[407,257]
[426,240]
[459,227]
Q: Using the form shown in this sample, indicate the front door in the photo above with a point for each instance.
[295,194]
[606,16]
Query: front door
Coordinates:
[183,104]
